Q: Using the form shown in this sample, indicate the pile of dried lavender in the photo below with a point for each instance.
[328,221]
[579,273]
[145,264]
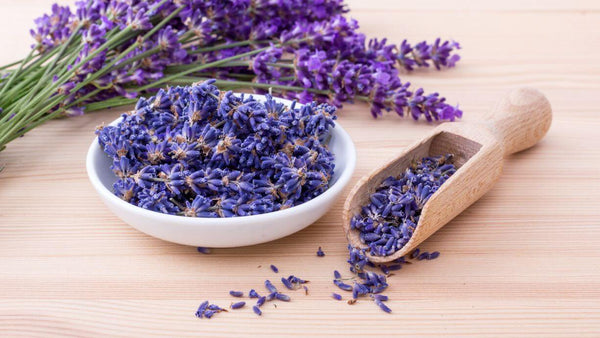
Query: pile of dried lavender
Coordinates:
[387,223]
[198,152]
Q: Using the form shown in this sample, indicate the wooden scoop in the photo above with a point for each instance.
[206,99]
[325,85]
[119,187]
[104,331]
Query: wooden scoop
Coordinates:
[516,123]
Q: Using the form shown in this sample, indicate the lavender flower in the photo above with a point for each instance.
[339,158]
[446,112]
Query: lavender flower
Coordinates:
[274,268]
[257,310]
[236,293]
[203,250]
[237,305]
[336,296]
[320,252]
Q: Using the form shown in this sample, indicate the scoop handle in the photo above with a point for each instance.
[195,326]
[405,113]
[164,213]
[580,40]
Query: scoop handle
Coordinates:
[520,119]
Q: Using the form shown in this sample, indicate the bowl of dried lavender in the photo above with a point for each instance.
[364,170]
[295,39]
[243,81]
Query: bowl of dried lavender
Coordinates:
[198,166]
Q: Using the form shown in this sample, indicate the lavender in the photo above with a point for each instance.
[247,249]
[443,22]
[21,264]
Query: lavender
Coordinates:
[257,310]
[336,296]
[103,54]
[236,293]
[206,310]
[199,152]
[203,250]
[387,223]
[320,252]
[274,268]
[237,305]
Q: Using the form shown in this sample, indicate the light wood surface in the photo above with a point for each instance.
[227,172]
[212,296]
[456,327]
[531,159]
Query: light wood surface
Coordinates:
[522,261]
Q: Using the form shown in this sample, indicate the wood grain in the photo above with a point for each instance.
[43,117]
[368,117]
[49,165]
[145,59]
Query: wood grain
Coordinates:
[522,261]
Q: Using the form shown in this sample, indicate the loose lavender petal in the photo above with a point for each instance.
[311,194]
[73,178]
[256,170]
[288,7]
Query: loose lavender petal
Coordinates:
[236,293]
[270,286]
[320,252]
[282,297]
[238,305]
[336,274]
[201,309]
[342,285]
[257,310]
[383,306]
[287,283]
[274,268]
[253,294]
[381,298]
[336,296]
[203,250]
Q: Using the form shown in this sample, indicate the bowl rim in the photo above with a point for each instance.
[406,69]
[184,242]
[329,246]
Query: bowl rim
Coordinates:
[331,192]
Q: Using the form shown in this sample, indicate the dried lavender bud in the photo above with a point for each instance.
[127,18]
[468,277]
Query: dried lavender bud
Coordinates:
[336,274]
[270,286]
[261,301]
[274,268]
[201,309]
[388,222]
[415,253]
[320,252]
[296,280]
[253,294]
[236,293]
[382,306]
[257,310]
[202,250]
[434,255]
[282,297]
[272,296]
[336,296]
[209,313]
[287,283]
[342,285]
[238,305]
[381,298]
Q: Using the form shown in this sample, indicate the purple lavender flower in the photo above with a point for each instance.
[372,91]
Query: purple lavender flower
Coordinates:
[274,268]
[336,296]
[236,293]
[237,305]
[320,252]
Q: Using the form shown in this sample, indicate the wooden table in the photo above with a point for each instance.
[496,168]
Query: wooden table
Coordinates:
[524,260]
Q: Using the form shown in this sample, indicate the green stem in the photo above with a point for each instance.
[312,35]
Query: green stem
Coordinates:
[14,75]
[229,45]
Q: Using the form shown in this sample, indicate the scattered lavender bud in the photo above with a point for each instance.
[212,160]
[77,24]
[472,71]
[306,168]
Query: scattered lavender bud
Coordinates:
[209,313]
[424,255]
[261,301]
[274,268]
[236,293]
[253,294]
[270,286]
[238,305]
[272,296]
[203,250]
[342,285]
[257,310]
[282,297]
[320,252]
[383,306]
[336,296]
[381,298]
[434,255]
[201,309]
[287,283]
[336,274]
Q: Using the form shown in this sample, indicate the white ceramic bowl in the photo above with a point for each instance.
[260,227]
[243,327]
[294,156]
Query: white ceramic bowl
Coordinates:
[225,232]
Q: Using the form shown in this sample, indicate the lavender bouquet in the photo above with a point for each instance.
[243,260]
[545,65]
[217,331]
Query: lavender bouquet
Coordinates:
[105,53]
